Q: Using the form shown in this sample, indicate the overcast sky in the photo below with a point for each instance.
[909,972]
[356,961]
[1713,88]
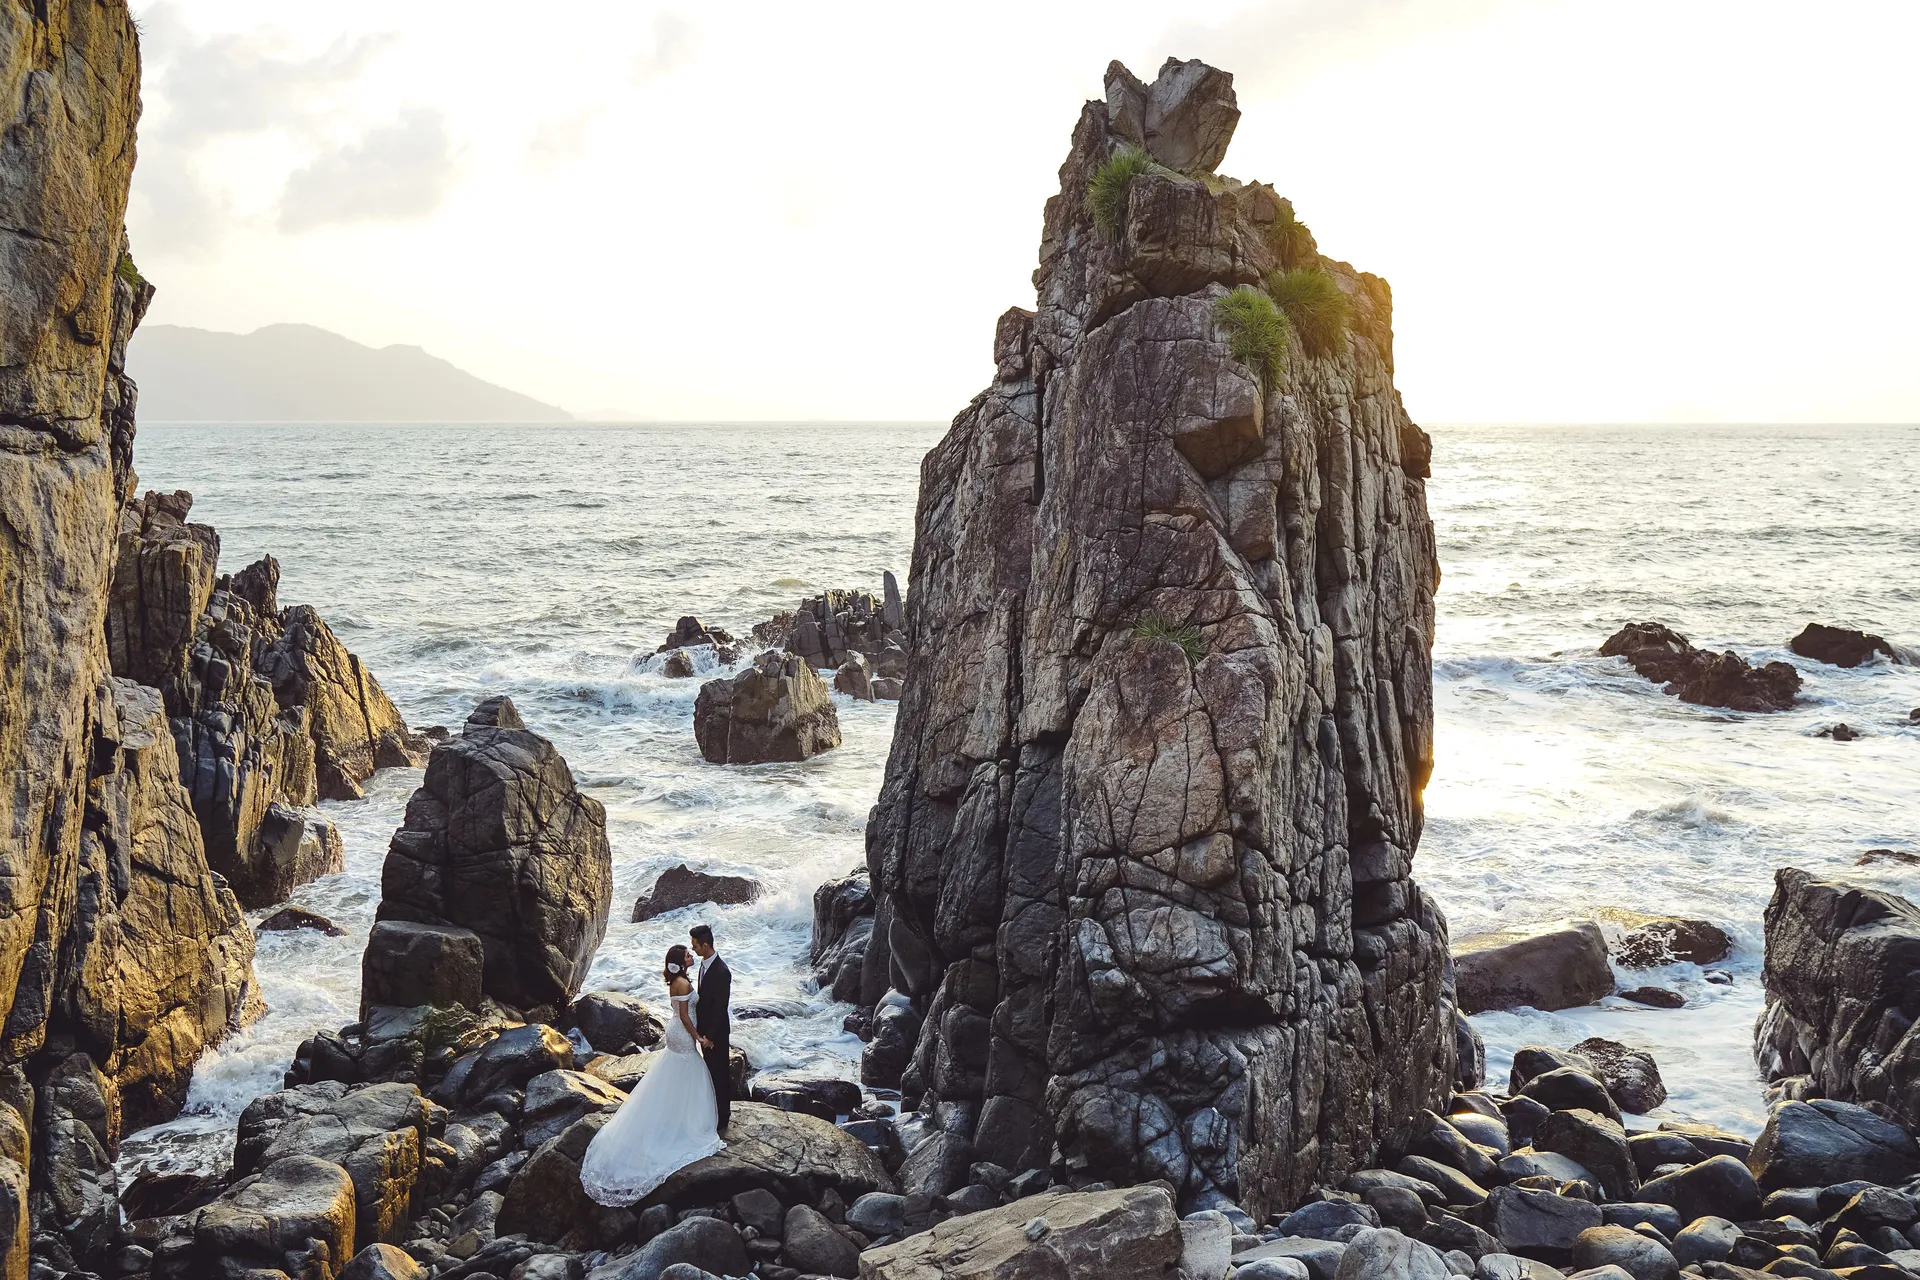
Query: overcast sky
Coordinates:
[1589,210]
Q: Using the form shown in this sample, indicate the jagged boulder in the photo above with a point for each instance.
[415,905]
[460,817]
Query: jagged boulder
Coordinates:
[775,710]
[408,963]
[296,1216]
[1707,679]
[1841,646]
[843,925]
[682,886]
[498,840]
[794,1155]
[1145,842]
[160,953]
[1842,967]
[690,633]
[1650,941]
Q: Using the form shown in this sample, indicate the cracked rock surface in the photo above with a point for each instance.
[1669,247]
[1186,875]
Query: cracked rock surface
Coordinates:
[1154,895]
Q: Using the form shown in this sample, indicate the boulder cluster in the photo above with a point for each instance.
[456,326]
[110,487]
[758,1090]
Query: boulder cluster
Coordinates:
[1565,963]
[1709,679]
[269,710]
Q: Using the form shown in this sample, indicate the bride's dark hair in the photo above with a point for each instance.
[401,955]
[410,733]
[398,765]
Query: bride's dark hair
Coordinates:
[676,966]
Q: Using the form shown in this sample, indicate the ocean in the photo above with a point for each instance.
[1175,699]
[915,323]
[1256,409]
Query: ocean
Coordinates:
[548,562]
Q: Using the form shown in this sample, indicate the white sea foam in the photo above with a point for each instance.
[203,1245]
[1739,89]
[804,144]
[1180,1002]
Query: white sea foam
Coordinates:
[547,563]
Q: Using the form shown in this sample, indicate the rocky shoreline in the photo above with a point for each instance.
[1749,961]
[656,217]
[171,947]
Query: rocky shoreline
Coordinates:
[1145,982]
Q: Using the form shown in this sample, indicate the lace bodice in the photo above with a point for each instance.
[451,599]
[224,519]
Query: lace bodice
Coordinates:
[678,1039]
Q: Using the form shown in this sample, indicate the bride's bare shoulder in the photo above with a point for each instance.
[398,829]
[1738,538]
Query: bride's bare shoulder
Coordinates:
[680,987]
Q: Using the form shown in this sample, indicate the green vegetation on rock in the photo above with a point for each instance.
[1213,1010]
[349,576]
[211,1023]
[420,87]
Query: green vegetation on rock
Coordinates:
[1314,305]
[129,272]
[1187,637]
[1107,192]
[1290,236]
[1256,333]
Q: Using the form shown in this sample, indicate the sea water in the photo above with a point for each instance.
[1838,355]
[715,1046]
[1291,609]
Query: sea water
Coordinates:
[548,562]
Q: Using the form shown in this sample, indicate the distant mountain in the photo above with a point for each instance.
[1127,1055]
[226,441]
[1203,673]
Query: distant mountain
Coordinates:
[297,373]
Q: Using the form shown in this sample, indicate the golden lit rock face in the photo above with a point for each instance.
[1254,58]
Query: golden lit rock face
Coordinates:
[69,97]
[121,955]
[1144,848]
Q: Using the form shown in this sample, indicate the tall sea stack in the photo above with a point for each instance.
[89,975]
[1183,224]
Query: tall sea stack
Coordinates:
[1144,848]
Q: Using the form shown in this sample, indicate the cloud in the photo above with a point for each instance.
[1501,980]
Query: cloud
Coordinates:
[673,44]
[393,172]
[1271,40]
[561,138]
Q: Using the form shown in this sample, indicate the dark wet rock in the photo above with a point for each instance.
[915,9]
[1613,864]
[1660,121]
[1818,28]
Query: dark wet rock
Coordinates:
[776,710]
[1507,1266]
[1566,1088]
[1823,1142]
[1438,1140]
[1840,646]
[1705,1239]
[1699,676]
[1655,997]
[1322,1219]
[843,925]
[1709,1140]
[689,633]
[289,918]
[1456,1187]
[1651,1150]
[709,1244]
[555,1099]
[614,1022]
[1523,1116]
[1530,1163]
[545,1201]
[1651,941]
[1718,1187]
[1125,1234]
[682,886]
[514,1057]
[498,840]
[1595,1141]
[831,629]
[812,1245]
[1484,1130]
[1321,1258]
[678,666]
[827,1097]
[1840,732]
[1622,1247]
[1631,1076]
[1663,1218]
[1550,967]
[896,1029]
[1842,964]
[795,1156]
[407,963]
[1367,1180]
[1110,640]
[1386,1254]
[1539,1224]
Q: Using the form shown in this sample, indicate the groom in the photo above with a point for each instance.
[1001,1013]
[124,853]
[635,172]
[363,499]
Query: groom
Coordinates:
[710,1018]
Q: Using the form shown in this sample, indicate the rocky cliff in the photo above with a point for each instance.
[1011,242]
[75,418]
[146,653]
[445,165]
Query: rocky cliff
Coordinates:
[1144,848]
[121,954]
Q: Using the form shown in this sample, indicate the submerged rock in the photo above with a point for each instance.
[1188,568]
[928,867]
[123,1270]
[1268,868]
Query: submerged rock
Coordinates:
[682,886]
[775,710]
[287,919]
[1839,646]
[1145,842]
[1842,967]
[1701,677]
[498,840]
[1651,941]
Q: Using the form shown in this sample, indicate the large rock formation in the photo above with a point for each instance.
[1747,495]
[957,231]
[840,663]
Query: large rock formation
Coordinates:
[1842,646]
[1701,676]
[270,710]
[1842,973]
[499,841]
[1145,841]
[121,954]
[777,710]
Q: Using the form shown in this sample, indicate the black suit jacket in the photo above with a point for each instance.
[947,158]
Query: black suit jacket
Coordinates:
[716,987]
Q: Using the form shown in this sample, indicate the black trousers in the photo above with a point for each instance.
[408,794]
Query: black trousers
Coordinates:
[719,1069]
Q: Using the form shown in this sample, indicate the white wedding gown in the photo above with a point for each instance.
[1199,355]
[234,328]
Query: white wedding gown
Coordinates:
[666,1123]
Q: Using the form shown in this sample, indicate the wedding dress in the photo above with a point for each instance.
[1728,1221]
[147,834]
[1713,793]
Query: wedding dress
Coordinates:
[666,1123]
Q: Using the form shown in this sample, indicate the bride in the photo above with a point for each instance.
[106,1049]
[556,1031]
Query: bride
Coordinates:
[668,1121]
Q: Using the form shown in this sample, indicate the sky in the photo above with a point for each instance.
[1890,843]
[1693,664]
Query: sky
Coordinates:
[1589,210]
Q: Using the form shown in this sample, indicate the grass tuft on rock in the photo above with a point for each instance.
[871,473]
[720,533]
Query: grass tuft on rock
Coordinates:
[1314,305]
[1187,637]
[129,272]
[1290,237]
[1256,334]
[1107,192]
